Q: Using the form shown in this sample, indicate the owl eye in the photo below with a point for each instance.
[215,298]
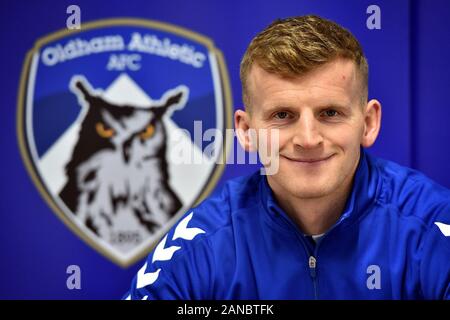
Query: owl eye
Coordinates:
[148,132]
[103,131]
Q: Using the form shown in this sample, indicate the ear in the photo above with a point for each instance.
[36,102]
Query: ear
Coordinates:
[245,134]
[81,87]
[372,123]
[174,99]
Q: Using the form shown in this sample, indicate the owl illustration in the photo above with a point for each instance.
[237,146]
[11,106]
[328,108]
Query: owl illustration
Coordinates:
[118,169]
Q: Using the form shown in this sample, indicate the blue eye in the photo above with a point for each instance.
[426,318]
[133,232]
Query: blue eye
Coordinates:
[281,115]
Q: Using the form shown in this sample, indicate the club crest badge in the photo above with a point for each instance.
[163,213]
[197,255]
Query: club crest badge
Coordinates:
[110,125]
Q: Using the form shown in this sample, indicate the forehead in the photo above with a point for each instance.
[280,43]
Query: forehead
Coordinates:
[335,81]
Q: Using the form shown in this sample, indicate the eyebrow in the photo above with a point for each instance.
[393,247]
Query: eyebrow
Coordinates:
[272,109]
[334,106]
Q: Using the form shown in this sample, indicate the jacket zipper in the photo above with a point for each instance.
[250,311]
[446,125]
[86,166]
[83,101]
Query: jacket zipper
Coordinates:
[312,261]
[312,271]
[312,264]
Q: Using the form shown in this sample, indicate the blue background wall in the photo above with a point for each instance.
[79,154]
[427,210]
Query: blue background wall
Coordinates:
[409,62]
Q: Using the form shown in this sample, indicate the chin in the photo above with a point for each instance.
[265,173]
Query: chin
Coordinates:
[312,191]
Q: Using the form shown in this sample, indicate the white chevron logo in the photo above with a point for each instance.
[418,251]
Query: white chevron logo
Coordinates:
[183,232]
[445,228]
[162,253]
[145,279]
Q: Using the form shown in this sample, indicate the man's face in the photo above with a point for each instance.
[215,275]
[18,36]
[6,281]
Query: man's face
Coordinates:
[321,125]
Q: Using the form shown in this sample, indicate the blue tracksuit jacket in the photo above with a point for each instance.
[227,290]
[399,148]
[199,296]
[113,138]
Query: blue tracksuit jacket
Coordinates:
[391,242]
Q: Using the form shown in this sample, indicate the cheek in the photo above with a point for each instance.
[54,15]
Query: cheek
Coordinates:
[345,136]
[271,140]
[284,139]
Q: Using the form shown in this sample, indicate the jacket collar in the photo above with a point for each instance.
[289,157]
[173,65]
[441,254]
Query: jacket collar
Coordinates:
[363,193]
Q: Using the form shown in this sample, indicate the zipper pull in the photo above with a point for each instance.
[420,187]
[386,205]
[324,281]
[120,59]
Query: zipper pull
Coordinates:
[312,266]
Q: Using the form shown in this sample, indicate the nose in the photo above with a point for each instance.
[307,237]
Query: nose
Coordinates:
[307,134]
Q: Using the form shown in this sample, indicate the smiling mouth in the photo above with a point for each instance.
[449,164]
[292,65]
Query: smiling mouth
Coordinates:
[309,160]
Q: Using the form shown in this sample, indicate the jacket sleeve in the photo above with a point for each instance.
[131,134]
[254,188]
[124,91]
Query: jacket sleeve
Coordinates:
[180,267]
[435,260]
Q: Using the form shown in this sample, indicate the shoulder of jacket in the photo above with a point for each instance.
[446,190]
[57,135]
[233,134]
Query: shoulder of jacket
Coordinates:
[411,192]
[211,217]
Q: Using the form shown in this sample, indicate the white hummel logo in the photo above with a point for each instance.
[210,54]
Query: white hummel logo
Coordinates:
[183,232]
[162,253]
[445,228]
[145,279]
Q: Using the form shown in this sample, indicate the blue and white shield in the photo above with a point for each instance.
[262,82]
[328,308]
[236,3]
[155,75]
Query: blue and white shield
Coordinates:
[115,123]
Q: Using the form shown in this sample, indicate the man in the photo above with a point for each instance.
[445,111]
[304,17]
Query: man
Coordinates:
[333,222]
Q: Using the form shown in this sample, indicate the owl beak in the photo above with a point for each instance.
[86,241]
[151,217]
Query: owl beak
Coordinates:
[126,151]
[126,155]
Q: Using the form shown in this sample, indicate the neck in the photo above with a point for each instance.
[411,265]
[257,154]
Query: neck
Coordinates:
[314,215]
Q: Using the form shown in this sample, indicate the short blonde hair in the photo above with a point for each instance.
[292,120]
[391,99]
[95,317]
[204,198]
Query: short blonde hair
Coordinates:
[293,46]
